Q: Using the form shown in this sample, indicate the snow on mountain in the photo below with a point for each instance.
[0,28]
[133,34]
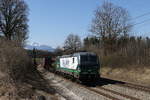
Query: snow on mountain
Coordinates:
[39,47]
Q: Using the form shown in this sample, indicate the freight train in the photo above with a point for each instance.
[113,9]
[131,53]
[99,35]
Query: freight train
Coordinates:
[83,66]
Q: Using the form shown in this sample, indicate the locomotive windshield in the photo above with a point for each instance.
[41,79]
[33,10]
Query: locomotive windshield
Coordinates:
[89,62]
[89,59]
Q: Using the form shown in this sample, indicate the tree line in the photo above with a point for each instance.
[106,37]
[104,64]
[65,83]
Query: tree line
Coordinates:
[111,38]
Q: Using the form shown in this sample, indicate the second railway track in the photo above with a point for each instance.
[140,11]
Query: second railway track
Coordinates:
[136,87]
[117,93]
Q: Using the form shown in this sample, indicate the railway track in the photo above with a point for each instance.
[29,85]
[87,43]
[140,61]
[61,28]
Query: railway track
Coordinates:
[102,91]
[136,87]
[99,90]
[117,93]
[103,94]
[128,85]
[95,91]
[109,93]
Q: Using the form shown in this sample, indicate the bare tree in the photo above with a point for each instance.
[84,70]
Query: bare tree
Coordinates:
[72,43]
[13,19]
[110,22]
[58,51]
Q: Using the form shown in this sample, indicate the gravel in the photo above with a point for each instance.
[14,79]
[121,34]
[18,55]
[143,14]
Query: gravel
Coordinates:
[72,91]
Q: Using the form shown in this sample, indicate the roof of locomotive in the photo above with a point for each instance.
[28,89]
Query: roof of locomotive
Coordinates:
[78,54]
[84,53]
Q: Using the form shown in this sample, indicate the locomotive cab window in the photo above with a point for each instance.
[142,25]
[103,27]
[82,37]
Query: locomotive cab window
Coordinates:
[72,60]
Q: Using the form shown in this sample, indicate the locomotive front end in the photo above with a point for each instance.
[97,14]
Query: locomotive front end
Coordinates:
[89,67]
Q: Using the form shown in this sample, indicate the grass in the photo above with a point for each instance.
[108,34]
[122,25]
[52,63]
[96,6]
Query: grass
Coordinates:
[132,73]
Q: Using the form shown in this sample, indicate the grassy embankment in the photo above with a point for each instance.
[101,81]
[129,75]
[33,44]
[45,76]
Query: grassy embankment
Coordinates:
[125,69]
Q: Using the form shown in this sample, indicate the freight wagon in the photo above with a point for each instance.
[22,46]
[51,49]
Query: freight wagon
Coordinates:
[83,66]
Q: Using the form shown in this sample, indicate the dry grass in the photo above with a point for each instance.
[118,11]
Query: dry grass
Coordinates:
[18,77]
[134,74]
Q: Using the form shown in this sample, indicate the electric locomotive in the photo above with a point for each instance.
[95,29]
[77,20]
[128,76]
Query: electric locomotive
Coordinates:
[84,66]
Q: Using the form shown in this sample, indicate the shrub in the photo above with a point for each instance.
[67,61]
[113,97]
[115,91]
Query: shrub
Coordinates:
[14,61]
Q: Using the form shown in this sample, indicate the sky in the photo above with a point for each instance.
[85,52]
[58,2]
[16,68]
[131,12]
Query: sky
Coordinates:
[51,21]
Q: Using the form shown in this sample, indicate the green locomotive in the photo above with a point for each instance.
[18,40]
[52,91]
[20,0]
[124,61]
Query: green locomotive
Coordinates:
[83,66]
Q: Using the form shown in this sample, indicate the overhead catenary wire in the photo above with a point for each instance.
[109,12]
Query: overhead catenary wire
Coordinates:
[139,23]
[143,15]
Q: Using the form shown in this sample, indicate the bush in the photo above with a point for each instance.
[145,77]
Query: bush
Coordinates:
[14,61]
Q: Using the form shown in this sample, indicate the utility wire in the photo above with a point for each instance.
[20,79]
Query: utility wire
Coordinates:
[145,14]
[135,24]
[140,22]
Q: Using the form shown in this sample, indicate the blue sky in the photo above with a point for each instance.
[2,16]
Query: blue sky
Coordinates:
[50,21]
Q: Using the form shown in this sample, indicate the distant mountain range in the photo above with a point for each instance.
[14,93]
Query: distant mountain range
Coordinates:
[39,47]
